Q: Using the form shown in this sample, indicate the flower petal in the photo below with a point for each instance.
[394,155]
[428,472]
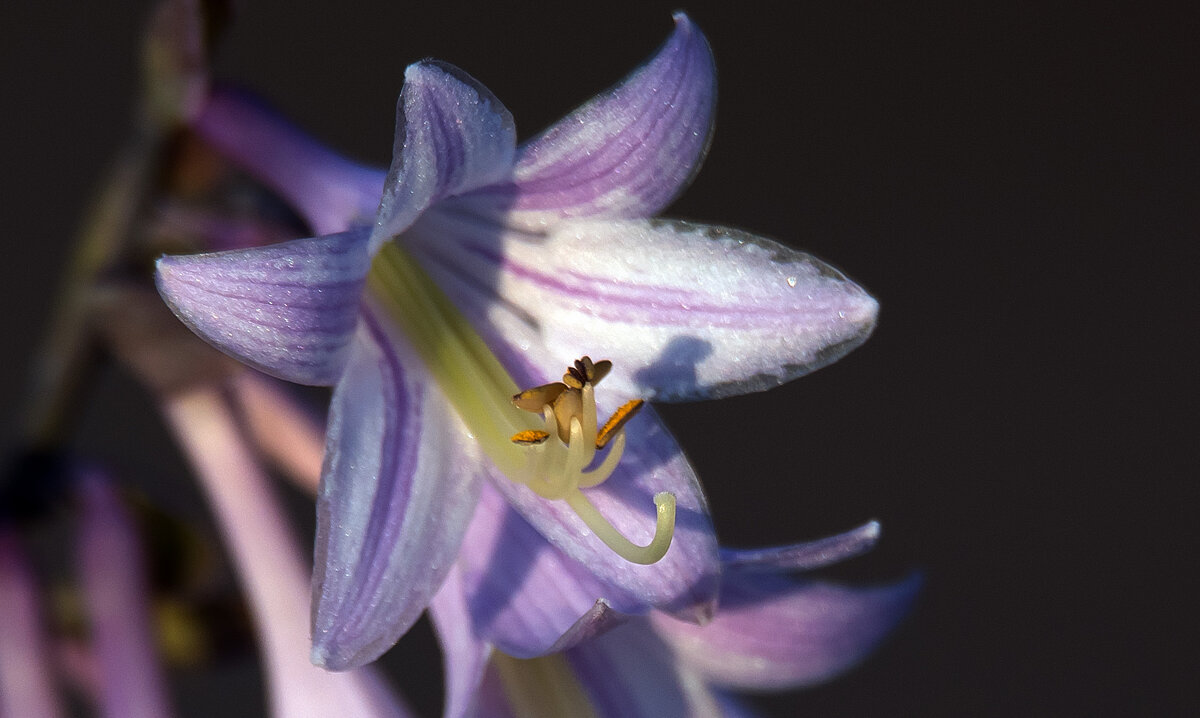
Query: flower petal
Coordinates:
[452,136]
[685,311]
[270,568]
[492,700]
[773,633]
[684,582]
[525,596]
[631,150]
[808,555]
[396,494]
[288,309]
[131,682]
[629,672]
[331,193]
[26,668]
[464,656]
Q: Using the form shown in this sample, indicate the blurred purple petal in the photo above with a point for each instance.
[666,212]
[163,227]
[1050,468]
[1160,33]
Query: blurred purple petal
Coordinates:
[773,633]
[131,682]
[464,656]
[452,136]
[805,556]
[272,573]
[330,192]
[26,672]
[525,596]
[288,309]
[399,485]
[492,701]
[685,311]
[684,582]
[629,151]
[733,707]
[630,673]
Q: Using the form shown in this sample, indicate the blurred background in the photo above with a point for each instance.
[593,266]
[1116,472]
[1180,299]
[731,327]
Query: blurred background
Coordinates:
[1017,183]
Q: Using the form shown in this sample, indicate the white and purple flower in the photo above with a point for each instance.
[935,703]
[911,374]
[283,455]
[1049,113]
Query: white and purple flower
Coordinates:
[488,268]
[771,632]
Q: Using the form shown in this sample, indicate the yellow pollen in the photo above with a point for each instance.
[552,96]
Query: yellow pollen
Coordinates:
[501,418]
[529,437]
[616,422]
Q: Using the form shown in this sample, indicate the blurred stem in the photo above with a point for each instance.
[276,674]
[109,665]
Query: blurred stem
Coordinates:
[69,351]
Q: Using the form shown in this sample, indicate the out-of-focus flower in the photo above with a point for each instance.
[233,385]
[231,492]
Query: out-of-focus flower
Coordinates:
[488,268]
[26,670]
[117,664]
[273,572]
[771,632]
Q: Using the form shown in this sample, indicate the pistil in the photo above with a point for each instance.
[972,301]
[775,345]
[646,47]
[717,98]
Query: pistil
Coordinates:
[551,456]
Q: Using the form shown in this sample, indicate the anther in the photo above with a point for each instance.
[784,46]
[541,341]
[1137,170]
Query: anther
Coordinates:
[557,470]
[617,421]
[530,437]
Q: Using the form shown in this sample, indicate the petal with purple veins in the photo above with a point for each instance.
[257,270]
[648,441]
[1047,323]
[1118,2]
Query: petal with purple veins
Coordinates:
[631,150]
[774,633]
[452,136]
[684,581]
[684,311]
[288,309]
[397,490]
[525,596]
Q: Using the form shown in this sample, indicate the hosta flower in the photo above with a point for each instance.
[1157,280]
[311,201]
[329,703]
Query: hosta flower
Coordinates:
[771,632]
[490,268]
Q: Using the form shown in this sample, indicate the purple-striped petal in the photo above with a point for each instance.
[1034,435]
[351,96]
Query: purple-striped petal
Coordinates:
[331,193]
[684,311]
[26,671]
[631,150]
[630,673]
[684,582]
[272,573]
[525,596]
[773,633]
[464,655]
[805,556]
[288,309]
[452,136]
[130,680]
[397,491]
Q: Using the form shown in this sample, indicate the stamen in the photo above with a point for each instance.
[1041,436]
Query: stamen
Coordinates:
[489,403]
[617,421]
[530,437]
[534,399]
[664,528]
[600,474]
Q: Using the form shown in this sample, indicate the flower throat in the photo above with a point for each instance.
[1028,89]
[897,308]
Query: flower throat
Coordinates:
[551,456]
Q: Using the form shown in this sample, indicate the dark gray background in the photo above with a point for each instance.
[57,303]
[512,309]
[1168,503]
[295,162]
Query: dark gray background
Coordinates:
[1016,183]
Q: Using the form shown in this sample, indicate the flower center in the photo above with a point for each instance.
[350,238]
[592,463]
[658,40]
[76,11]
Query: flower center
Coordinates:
[552,457]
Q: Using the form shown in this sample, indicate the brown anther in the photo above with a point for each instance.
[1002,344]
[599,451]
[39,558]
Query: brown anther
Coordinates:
[539,396]
[566,398]
[599,370]
[529,437]
[617,421]
[574,379]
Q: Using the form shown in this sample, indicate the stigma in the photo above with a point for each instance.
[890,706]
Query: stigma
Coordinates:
[560,456]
